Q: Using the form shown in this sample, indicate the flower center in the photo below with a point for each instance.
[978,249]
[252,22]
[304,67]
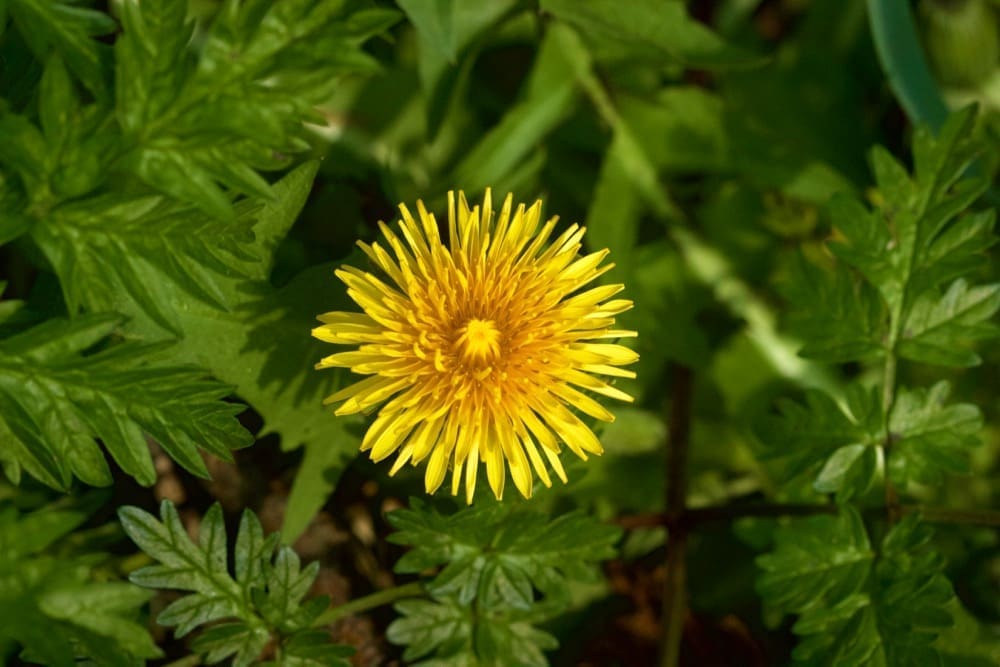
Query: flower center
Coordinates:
[479,341]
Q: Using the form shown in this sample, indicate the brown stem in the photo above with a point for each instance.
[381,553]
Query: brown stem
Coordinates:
[692,518]
[678,443]
[947,515]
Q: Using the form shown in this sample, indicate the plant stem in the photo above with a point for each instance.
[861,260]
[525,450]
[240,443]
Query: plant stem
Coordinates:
[888,400]
[376,599]
[948,515]
[695,517]
[678,443]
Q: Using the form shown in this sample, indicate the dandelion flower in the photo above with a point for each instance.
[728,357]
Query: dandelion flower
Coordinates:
[482,350]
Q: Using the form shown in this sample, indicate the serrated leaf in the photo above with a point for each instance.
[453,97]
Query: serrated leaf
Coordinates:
[895,620]
[931,438]
[939,329]
[450,632]
[112,251]
[850,326]
[264,601]
[806,438]
[287,584]
[312,648]
[253,553]
[239,640]
[919,239]
[850,471]
[187,613]
[54,608]
[195,115]
[238,345]
[57,399]
[99,609]
[183,565]
[498,557]
[69,30]
[426,626]
[816,562]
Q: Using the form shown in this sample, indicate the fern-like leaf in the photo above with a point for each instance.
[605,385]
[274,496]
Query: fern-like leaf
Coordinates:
[52,606]
[262,601]
[57,394]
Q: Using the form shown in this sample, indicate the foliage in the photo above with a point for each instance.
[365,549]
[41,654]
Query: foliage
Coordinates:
[914,250]
[56,399]
[53,603]
[858,605]
[501,571]
[263,602]
[854,609]
[179,179]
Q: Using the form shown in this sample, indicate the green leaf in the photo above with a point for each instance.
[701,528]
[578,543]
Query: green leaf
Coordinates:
[69,30]
[202,118]
[939,329]
[447,29]
[816,562]
[25,153]
[261,344]
[263,601]
[57,101]
[287,585]
[896,620]
[57,399]
[239,640]
[919,240]
[312,648]
[499,557]
[253,552]
[185,565]
[546,101]
[426,626]
[929,437]
[55,604]
[450,631]
[850,325]
[688,129]
[97,608]
[434,21]
[649,30]
[105,255]
[832,444]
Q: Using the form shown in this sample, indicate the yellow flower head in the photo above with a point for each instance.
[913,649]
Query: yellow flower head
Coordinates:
[483,345]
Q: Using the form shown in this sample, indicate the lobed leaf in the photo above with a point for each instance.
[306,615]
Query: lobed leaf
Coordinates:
[497,556]
[69,30]
[449,634]
[851,325]
[54,605]
[835,445]
[816,563]
[931,438]
[895,620]
[57,399]
[940,328]
[264,601]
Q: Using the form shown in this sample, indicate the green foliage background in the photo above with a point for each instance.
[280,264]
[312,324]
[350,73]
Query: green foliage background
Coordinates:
[806,233]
